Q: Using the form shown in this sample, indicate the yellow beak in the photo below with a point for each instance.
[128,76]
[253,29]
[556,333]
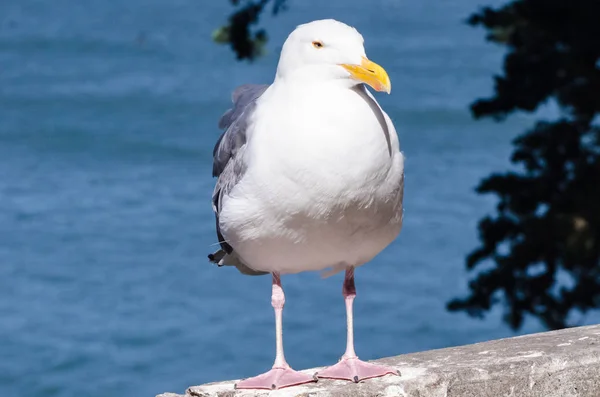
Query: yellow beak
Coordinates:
[370,73]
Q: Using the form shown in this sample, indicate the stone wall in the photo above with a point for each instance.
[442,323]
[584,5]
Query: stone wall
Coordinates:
[563,363]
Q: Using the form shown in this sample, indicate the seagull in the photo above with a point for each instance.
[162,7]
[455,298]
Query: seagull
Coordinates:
[310,177]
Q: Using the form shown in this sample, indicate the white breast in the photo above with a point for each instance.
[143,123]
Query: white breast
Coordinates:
[324,183]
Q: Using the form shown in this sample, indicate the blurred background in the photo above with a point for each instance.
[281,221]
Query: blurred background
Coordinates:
[108,117]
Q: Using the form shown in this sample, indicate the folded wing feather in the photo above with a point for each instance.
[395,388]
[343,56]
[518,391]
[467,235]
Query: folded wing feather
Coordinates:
[229,166]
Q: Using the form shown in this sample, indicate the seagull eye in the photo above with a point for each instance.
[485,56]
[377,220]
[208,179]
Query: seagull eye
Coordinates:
[317,44]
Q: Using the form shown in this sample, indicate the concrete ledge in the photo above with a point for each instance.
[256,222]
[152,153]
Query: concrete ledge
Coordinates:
[563,363]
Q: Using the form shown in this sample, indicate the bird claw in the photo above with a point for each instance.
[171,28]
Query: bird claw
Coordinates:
[276,378]
[355,370]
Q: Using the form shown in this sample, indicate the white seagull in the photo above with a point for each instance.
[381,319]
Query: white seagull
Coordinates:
[310,177]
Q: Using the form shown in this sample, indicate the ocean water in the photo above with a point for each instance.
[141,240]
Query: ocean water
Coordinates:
[108,113]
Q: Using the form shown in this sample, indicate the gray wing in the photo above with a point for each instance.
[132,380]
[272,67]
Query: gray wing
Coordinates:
[228,162]
[235,122]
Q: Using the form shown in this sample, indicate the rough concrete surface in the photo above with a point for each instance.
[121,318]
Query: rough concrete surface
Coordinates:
[563,363]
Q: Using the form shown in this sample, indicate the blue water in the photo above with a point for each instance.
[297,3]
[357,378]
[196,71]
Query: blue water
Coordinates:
[108,114]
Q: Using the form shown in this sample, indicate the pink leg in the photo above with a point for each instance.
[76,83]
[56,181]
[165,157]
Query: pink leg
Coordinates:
[281,375]
[350,367]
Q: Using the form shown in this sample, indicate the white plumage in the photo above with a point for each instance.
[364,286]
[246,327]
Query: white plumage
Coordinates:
[322,178]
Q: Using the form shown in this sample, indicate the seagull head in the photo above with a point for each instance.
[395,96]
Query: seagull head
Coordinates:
[327,50]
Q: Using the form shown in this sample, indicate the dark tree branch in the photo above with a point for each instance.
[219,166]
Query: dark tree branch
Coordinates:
[238,33]
[544,242]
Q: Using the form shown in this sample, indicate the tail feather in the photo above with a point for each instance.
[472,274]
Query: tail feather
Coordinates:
[333,270]
[222,258]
